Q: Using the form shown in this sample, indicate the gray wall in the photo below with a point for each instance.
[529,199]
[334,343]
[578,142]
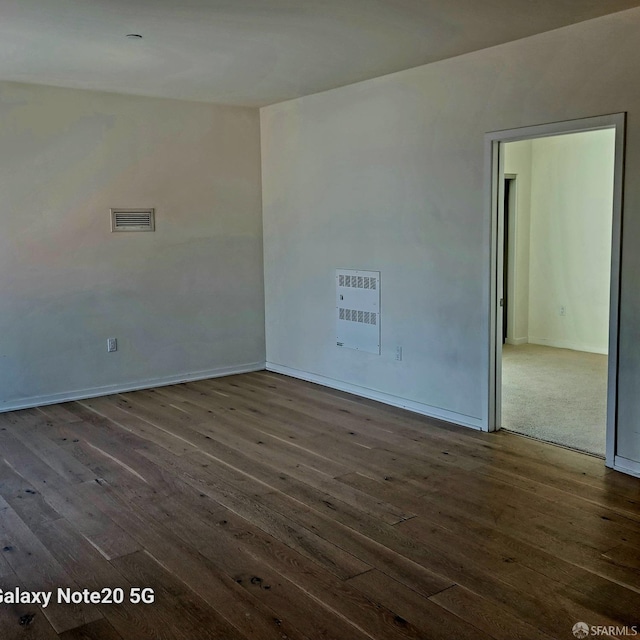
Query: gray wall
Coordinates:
[570,240]
[560,240]
[389,175]
[185,300]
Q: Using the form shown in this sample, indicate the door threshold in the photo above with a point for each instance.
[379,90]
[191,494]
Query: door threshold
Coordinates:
[555,444]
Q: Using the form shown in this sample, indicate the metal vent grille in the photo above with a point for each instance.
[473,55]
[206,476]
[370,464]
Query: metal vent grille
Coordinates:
[355,315]
[357,282]
[358,310]
[133,220]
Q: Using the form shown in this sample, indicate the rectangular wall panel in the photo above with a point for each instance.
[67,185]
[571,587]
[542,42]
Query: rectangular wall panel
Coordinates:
[358,310]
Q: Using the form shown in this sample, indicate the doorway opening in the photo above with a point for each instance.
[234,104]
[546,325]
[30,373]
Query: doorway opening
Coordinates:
[556,205]
[508,253]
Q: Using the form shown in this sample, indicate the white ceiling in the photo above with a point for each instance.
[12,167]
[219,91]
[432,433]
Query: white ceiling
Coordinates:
[257,52]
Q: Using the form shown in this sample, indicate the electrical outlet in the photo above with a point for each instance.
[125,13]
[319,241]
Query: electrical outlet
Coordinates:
[398,354]
[563,311]
[112,344]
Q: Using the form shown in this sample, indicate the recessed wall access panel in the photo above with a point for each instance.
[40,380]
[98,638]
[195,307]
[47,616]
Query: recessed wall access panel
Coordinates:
[358,310]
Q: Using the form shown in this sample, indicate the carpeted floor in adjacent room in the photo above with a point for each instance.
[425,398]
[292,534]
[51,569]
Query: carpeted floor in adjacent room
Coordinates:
[556,395]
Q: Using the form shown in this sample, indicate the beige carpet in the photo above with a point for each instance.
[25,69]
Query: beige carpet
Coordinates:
[557,395]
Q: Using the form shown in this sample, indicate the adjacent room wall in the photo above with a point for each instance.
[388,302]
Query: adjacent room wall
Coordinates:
[517,161]
[187,300]
[571,210]
[561,240]
[389,175]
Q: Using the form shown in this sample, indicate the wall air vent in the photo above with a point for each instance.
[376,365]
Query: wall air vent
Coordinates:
[357,282]
[133,220]
[358,310]
[353,315]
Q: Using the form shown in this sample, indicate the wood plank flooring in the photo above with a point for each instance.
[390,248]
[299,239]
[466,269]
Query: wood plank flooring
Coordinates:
[258,507]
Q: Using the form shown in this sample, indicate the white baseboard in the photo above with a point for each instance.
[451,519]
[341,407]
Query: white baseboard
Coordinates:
[566,344]
[385,398]
[625,465]
[149,383]
[517,341]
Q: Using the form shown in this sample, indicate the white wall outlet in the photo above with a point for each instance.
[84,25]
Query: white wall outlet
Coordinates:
[563,311]
[398,354]
[112,344]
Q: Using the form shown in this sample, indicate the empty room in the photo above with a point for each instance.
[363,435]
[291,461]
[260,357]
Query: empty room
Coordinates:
[557,274]
[272,277]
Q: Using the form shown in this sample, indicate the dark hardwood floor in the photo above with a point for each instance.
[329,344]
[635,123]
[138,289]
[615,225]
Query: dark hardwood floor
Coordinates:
[259,507]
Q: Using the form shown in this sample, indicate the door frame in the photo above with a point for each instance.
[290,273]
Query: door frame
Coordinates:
[510,233]
[494,212]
